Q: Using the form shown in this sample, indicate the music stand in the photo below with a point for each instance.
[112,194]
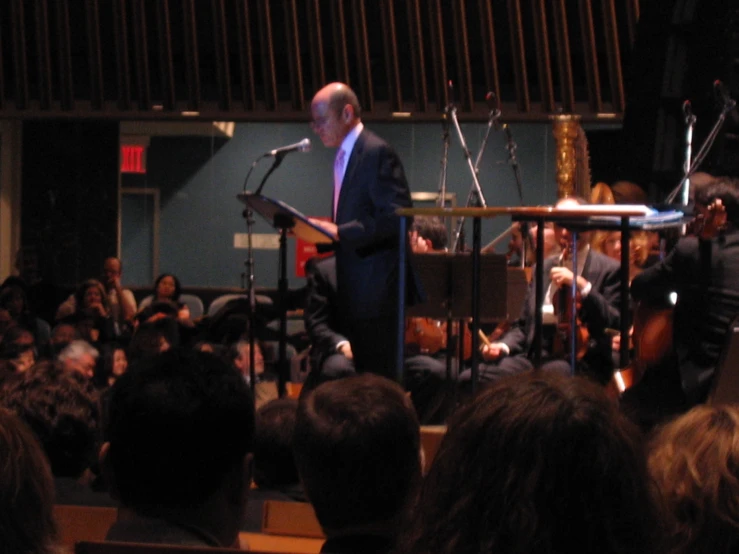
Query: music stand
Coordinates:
[284,218]
[447,281]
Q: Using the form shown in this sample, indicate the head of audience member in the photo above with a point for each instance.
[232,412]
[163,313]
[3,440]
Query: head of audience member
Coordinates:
[112,270]
[335,111]
[537,462]
[26,491]
[357,449]
[274,463]
[62,334]
[79,356]
[239,356]
[62,411]
[13,299]
[91,297]
[18,347]
[6,322]
[167,287]
[180,430]
[152,338]
[694,461]
[431,232]
[114,364]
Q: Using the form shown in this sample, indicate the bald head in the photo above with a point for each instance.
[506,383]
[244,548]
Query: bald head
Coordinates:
[335,111]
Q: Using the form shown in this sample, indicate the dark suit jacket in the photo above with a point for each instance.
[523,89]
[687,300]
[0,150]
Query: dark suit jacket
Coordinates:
[374,187]
[599,308]
[705,275]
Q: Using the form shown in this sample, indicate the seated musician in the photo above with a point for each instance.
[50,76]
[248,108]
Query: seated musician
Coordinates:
[598,285]
[331,351]
[703,271]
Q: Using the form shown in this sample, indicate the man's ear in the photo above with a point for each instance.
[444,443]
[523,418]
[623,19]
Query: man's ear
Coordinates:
[107,470]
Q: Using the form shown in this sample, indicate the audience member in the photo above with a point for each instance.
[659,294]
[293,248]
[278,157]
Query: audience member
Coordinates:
[18,349]
[61,335]
[695,462]
[357,448]
[120,301]
[275,474]
[62,411]
[13,299]
[26,492]
[538,462]
[265,389]
[180,428]
[92,314]
[79,356]
[114,364]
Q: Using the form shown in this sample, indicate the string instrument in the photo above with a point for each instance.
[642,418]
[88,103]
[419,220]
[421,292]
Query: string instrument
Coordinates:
[652,335]
[429,335]
[562,302]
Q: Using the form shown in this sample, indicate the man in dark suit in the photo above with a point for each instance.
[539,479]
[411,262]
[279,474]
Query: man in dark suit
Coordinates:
[598,284]
[369,186]
[332,353]
[704,272]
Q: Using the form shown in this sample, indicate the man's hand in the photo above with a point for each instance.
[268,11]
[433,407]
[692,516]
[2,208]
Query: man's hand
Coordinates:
[327,226]
[346,349]
[562,277]
[493,351]
[419,245]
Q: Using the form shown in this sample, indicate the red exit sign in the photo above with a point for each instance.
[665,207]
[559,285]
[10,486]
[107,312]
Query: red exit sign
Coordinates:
[133,159]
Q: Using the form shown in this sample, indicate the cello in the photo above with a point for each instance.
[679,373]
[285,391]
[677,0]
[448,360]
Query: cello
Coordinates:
[653,327]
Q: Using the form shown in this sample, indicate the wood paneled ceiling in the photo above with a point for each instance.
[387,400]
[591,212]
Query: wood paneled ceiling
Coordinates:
[263,59]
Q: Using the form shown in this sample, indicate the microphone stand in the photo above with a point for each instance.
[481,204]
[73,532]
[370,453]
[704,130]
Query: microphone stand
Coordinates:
[475,189]
[249,271]
[511,146]
[441,202]
[703,151]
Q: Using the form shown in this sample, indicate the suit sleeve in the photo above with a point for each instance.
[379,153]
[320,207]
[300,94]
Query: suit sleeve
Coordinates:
[600,308]
[319,316]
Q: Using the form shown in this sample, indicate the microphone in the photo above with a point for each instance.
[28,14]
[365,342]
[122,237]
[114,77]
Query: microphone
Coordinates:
[302,146]
[450,90]
[688,112]
[723,94]
[492,102]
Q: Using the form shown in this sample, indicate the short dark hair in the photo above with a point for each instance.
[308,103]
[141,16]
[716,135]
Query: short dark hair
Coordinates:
[274,463]
[431,228]
[62,410]
[357,448]
[538,462]
[727,190]
[177,422]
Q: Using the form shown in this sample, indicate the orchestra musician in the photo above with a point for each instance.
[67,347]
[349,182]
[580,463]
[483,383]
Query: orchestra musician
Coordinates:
[332,350]
[598,286]
[704,272]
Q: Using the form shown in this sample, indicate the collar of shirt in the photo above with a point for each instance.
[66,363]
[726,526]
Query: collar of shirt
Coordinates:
[347,145]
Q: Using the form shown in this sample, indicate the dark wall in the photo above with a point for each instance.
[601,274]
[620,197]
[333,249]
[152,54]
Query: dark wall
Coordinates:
[70,196]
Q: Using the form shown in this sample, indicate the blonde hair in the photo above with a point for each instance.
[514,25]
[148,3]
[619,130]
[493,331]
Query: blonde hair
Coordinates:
[694,461]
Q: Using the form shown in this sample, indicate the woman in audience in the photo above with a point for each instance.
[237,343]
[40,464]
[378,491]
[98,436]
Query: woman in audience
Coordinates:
[695,462]
[26,491]
[537,462]
[112,364]
[93,316]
